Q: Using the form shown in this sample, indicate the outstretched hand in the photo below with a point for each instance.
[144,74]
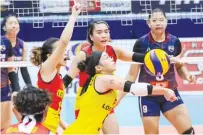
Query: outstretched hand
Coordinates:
[170,95]
[76,9]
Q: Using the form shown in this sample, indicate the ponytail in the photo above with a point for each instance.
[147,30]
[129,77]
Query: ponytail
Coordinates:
[89,66]
[35,57]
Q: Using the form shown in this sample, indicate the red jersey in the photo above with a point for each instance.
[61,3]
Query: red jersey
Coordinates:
[56,87]
[83,76]
[38,129]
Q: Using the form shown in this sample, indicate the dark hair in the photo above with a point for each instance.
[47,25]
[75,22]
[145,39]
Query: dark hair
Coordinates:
[6,18]
[32,101]
[157,10]
[39,54]
[91,29]
[89,67]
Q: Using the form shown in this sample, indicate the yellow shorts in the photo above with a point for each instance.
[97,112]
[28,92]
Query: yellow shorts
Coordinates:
[52,120]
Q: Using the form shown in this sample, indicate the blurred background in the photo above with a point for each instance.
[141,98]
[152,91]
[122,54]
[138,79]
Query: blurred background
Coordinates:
[41,19]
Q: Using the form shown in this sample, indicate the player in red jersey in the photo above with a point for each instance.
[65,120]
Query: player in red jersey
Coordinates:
[31,103]
[50,57]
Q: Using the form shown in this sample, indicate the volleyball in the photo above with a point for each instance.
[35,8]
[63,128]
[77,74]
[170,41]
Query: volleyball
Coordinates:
[157,62]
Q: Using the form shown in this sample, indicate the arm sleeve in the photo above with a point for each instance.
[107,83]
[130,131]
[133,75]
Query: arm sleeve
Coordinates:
[10,50]
[25,75]
[138,56]
[137,46]
[67,80]
[179,47]
[13,77]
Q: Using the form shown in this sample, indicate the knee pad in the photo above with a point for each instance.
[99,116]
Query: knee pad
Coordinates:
[190,131]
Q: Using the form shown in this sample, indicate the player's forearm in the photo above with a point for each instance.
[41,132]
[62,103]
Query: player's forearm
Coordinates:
[62,125]
[122,94]
[25,75]
[183,72]
[157,90]
[68,30]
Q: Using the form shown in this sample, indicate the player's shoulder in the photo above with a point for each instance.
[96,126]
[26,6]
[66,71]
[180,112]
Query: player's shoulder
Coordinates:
[146,36]
[172,37]
[85,45]
[4,39]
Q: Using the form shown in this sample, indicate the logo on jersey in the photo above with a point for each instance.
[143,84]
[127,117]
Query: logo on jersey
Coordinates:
[21,51]
[148,49]
[171,48]
[2,48]
[106,107]
[163,84]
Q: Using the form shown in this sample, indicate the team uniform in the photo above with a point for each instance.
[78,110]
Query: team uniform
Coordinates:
[94,108]
[18,56]
[38,129]
[18,49]
[83,76]
[56,88]
[6,52]
[151,105]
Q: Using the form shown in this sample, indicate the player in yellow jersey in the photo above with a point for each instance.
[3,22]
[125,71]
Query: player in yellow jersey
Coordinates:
[98,95]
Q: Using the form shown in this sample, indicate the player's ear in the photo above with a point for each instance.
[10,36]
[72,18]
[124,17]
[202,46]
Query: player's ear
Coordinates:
[148,23]
[98,68]
[4,28]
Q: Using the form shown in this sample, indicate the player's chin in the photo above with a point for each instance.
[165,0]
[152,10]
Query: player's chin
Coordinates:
[159,31]
[104,44]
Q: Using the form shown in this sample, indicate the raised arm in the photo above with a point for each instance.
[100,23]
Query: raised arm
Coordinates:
[51,63]
[72,72]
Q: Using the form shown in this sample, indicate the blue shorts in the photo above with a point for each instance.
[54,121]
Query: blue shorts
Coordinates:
[5,93]
[152,105]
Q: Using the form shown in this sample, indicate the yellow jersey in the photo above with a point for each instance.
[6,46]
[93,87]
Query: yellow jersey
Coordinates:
[94,108]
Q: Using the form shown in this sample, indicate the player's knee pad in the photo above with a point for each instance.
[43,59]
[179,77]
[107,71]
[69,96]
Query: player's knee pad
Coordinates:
[190,131]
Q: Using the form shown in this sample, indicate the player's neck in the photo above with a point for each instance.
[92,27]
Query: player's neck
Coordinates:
[98,48]
[158,37]
[106,73]
[58,68]
[12,38]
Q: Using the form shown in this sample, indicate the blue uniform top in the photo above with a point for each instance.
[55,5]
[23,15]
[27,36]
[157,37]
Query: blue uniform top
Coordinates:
[18,49]
[6,52]
[172,46]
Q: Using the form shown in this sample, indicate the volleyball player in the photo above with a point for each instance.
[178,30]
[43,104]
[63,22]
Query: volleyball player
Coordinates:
[11,27]
[31,103]
[98,94]
[6,75]
[150,106]
[98,37]
[50,57]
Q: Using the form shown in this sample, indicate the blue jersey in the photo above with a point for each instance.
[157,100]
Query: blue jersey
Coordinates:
[171,45]
[18,49]
[6,52]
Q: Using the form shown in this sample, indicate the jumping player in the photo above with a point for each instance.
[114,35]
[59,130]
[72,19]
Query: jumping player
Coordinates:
[50,57]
